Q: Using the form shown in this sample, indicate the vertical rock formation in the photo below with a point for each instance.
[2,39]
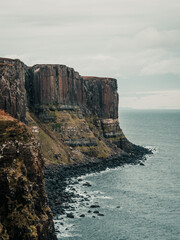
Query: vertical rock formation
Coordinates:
[24,211]
[101,96]
[12,87]
[102,100]
[52,89]
[74,118]
[56,84]
[63,87]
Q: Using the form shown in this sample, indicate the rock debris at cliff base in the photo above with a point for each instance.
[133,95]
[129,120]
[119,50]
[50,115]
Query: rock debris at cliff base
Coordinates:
[72,124]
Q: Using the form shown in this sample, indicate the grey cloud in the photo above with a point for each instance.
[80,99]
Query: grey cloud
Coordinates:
[136,41]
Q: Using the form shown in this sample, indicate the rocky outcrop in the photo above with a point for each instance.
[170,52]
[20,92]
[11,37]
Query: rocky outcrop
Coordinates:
[24,211]
[12,87]
[101,96]
[55,84]
[61,88]
[102,100]
[58,84]
[70,109]
[61,85]
[65,89]
[74,121]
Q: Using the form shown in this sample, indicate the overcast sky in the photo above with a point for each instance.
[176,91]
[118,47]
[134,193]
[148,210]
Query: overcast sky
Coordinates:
[135,41]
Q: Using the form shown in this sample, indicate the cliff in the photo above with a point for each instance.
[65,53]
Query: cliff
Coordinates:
[55,84]
[24,211]
[74,117]
[58,84]
[102,100]
[101,96]
[81,111]
[74,122]
[12,87]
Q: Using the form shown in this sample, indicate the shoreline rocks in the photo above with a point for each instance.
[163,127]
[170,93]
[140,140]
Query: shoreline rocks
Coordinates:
[74,120]
[57,178]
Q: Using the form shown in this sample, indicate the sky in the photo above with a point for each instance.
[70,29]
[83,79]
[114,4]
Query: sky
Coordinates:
[135,41]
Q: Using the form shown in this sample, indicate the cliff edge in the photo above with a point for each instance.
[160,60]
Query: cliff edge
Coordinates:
[73,128]
[74,118]
[24,211]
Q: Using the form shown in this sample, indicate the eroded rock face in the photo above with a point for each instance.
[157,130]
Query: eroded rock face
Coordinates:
[111,128]
[24,212]
[52,89]
[102,100]
[101,96]
[12,87]
[56,84]
[63,87]
[74,118]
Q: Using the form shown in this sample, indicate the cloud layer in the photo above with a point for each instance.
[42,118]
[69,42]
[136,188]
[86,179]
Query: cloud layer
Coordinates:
[152,100]
[136,41]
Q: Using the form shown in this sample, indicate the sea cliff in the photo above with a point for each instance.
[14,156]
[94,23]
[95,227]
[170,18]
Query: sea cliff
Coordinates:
[75,127]
[74,117]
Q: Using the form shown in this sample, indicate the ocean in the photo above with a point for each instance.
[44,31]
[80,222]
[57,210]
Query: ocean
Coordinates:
[135,202]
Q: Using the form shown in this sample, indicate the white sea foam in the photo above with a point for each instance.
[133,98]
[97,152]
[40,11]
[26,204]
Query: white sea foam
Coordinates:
[65,230]
[152,148]
[84,192]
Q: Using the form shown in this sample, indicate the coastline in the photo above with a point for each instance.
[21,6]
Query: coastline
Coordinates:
[57,178]
[77,131]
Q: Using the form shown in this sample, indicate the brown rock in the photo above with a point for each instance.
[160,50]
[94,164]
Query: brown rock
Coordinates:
[12,87]
[24,212]
[56,84]
[101,96]
[51,87]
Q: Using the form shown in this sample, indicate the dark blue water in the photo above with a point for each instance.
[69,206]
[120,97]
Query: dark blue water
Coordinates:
[138,202]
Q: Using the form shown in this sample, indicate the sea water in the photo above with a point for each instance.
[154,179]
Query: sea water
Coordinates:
[138,202]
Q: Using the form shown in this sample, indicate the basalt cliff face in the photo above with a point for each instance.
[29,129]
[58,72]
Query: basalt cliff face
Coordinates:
[24,210]
[74,117]
[102,100]
[12,87]
[101,96]
[81,111]
[56,84]
[74,121]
